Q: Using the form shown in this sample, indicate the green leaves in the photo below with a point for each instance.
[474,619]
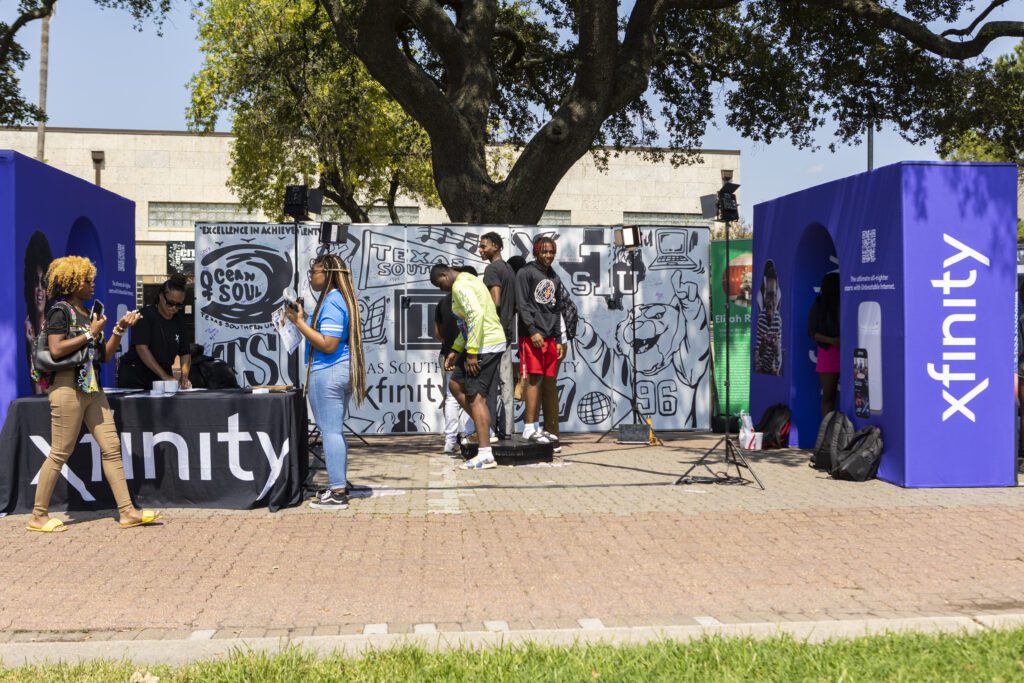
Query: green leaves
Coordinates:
[303,110]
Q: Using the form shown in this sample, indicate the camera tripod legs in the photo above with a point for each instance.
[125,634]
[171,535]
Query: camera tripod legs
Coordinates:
[733,458]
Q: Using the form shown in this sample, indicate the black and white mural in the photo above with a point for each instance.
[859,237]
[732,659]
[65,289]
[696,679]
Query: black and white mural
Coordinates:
[645,309]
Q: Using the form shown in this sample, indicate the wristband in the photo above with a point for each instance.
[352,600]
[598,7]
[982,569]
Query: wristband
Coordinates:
[119,331]
[88,336]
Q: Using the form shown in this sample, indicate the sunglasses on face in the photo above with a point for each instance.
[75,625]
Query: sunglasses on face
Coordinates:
[174,304]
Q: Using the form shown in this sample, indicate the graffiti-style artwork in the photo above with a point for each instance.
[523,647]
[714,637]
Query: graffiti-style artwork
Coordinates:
[651,303]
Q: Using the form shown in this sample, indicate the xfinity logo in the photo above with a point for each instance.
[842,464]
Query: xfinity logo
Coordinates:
[957,363]
[233,438]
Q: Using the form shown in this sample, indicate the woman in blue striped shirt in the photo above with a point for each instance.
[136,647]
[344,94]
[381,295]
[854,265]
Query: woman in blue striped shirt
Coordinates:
[334,367]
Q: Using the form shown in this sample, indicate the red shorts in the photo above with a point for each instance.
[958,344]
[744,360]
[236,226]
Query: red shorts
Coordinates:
[542,361]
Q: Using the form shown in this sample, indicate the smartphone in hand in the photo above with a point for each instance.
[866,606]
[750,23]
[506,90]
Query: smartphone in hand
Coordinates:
[97,310]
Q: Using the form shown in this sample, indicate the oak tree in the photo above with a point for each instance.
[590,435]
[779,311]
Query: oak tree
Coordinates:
[561,78]
[303,110]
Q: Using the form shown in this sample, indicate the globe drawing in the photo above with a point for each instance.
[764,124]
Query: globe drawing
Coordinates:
[594,408]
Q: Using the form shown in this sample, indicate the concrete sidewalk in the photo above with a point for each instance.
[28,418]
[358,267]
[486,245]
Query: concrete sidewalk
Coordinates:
[598,537]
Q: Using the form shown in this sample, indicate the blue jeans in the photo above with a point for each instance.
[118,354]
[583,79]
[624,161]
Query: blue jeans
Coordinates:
[329,392]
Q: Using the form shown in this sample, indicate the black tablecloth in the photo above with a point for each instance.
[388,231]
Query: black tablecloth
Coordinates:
[218,449]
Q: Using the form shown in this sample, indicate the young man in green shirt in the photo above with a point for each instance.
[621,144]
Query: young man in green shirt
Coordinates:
[476,354]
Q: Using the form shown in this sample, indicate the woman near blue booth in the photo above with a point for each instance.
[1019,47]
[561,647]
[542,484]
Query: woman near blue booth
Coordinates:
[334,367]
[75,394]
[823,328]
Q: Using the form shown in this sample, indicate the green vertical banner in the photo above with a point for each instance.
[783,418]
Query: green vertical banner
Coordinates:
[732,295]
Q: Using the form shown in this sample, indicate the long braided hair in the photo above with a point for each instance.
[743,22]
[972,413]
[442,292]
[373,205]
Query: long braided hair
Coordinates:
[339,277]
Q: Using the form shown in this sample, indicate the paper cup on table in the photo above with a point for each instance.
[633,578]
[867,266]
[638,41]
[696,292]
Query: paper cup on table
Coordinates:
[170,386]
[158,388]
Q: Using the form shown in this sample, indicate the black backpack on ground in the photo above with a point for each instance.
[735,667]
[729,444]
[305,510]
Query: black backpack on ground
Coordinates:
[775,425]
[859,460]
[211,373]
[834,435]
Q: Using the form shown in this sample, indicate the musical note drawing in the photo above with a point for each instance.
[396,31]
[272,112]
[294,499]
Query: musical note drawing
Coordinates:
[466,241]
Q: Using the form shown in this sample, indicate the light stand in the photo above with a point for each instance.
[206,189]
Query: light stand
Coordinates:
[299,202]
[726,210]
[629,239]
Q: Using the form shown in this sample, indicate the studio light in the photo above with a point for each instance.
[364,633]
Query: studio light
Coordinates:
[300,201]
[627,236]
[728,207]
[333,233]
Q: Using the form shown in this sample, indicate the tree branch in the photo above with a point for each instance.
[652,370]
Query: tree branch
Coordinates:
[974,24]
[390,200]
[919,34]
[429,17]
[7,41]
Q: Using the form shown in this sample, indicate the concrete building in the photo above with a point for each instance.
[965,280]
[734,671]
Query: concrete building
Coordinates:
[178,178]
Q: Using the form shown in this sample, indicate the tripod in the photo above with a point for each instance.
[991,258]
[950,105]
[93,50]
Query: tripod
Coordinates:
[634,410]
[733,455]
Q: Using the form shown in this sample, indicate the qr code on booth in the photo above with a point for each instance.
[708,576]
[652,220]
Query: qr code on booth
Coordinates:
[867,246]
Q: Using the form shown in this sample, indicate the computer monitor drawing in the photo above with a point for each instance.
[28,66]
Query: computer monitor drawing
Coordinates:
[673,249]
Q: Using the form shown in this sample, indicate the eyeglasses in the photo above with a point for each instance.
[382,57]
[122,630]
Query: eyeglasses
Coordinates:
[174,304]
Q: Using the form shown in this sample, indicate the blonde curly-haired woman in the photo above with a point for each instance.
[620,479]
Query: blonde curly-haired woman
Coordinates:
[75,394]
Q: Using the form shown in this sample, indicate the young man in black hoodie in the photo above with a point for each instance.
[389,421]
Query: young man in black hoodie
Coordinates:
[540,329]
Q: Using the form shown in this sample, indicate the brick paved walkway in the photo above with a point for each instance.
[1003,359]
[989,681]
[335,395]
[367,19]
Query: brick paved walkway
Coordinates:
[598,536]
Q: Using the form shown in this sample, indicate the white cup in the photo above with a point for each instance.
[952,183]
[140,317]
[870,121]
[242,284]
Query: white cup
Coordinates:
[158,388]
[170,386]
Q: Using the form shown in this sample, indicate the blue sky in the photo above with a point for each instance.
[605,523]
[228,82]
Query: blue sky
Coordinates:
[104,74]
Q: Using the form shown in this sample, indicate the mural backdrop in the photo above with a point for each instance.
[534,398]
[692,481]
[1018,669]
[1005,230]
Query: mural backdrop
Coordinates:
[653,302]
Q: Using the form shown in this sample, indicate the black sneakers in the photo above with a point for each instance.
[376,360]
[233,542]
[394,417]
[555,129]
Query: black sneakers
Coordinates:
[330,500]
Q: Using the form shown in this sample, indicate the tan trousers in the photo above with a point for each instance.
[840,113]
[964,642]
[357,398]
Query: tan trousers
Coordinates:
[549,401]
[68,408]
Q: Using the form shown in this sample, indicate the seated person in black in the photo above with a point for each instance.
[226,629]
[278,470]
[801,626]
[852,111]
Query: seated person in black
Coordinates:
[157,339]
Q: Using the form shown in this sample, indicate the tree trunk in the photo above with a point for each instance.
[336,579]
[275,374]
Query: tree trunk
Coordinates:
[335,189]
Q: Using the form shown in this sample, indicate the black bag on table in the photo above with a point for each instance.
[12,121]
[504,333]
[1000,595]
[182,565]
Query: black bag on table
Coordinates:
[211,373]
[775,425]
[860,459]
[834,435]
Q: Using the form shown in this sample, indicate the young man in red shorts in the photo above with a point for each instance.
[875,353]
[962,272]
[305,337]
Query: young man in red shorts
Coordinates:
[540,329]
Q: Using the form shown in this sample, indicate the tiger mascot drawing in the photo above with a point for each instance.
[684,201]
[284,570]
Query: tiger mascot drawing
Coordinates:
[673,352]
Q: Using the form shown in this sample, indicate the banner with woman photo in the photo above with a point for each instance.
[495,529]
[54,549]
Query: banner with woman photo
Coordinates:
[732,294]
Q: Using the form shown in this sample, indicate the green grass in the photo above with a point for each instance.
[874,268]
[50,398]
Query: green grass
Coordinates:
[985,656]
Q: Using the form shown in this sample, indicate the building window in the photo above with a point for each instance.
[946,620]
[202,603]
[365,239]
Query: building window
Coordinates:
[184,215]
[555,217]
[376,214]
[655,218]
[406,214]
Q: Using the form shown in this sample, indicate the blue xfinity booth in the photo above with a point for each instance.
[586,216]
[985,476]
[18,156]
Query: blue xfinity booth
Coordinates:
[926,256]
[44,214]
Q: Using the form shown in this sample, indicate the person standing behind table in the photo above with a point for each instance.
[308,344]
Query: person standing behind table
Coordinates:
[335,370]
[75,393]
[158,339]
[500,280]
[540,328]
[823,328]
[476,352]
